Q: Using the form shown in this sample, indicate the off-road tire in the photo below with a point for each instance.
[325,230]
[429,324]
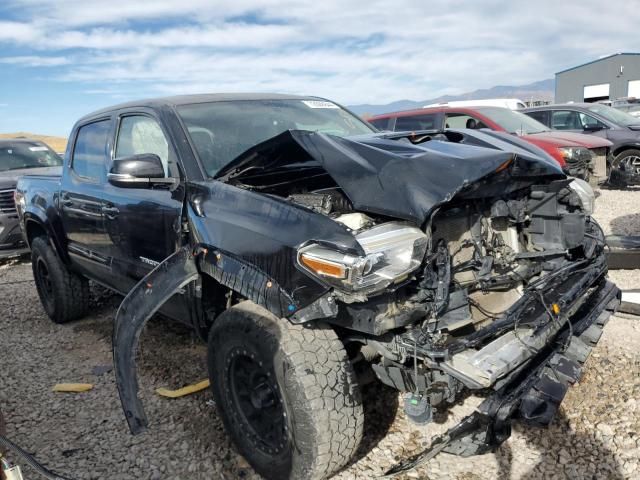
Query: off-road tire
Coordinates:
[64,294]
[312,378]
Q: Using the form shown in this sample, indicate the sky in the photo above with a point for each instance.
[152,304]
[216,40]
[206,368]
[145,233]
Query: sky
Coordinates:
[61,59]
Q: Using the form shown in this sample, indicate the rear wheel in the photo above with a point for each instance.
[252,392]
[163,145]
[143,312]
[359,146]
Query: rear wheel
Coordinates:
[287,394]
[63,293]
[627,162]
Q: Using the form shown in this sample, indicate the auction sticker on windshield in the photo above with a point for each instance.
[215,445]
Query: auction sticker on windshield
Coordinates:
[319,104]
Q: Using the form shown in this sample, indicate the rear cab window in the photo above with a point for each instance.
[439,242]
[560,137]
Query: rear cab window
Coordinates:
[427,121]
[462,120]
[90,151]
[541,116]
[380,123]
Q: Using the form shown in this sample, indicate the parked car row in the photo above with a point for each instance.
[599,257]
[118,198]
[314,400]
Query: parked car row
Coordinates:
[590,141]
[579,155]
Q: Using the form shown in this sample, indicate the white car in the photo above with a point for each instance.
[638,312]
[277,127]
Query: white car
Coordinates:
[511,103]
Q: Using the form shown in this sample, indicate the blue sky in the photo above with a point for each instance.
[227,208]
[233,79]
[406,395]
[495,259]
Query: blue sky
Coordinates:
[60,59]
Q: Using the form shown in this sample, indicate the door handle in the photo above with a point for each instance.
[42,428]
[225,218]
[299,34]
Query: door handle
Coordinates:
[110,211]
[65,200]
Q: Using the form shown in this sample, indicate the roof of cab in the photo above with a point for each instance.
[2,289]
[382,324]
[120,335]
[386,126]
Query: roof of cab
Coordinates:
[197,98]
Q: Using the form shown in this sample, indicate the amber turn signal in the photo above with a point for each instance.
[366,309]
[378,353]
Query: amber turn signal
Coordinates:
[323,267]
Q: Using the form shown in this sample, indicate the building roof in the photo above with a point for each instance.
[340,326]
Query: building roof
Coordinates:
[597,60]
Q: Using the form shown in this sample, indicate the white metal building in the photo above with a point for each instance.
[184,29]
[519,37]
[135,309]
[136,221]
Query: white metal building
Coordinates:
[607,78]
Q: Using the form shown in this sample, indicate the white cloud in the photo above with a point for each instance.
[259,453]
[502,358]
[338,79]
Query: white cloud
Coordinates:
[352,51]
[36,61]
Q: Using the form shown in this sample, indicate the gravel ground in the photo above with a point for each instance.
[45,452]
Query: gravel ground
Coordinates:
[596,434]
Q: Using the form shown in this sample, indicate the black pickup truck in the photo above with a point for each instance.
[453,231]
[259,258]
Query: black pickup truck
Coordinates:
[301,243]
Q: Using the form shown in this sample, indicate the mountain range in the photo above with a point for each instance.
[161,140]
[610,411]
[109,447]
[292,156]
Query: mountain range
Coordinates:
[541,90]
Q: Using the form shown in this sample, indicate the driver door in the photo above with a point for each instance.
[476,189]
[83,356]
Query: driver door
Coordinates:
[144,224]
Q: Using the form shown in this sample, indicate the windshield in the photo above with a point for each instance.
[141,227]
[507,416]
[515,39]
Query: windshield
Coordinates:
[613,115]
[221,131]
[19,155]
[513,122]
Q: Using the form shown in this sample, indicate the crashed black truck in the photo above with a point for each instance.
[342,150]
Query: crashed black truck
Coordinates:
[300,244]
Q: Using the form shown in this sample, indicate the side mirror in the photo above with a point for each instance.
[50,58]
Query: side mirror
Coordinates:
[138,171]
[594,127]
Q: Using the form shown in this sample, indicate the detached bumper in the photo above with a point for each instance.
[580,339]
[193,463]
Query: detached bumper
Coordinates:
[532,393]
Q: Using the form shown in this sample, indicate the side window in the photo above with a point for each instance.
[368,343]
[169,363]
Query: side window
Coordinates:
[89,152]
[539,116]
[140,134]
[565,120]
[416,122]
[462,120]
[380,124]
[589,121]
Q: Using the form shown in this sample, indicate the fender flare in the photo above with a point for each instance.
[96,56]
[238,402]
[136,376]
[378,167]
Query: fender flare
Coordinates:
[140,304]
[33,217]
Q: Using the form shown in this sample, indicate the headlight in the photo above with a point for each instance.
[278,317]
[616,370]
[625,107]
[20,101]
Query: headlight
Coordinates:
[585,192]
[392,251]
[19,201]
[573,155]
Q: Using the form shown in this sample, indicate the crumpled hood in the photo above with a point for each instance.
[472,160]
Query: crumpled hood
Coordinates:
[393,177]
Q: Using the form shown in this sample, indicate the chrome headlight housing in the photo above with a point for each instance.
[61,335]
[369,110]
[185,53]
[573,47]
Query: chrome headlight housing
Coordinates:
[585,193]
[392,251]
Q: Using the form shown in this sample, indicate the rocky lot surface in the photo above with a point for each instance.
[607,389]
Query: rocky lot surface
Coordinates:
[84,435]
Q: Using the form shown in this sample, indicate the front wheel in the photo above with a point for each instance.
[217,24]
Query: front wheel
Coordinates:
[287,393]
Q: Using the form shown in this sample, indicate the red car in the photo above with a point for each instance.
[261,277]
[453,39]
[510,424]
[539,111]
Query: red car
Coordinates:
[582,156]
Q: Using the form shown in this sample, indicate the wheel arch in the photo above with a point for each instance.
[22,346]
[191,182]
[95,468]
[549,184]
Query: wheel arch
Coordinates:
[625,147]
[36,227]
[226,271]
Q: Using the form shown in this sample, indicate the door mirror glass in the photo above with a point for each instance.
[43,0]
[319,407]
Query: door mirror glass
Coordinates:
[138,171]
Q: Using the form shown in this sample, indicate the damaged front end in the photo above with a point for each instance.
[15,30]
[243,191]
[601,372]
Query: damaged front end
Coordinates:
[447,262]
[482,276]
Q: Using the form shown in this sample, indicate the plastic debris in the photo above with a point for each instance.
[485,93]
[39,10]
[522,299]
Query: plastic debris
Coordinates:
[72,387]
[181,392]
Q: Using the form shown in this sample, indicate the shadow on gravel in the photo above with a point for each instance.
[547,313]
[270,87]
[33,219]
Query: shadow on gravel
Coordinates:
[566,447]
[626,224]
[380,407]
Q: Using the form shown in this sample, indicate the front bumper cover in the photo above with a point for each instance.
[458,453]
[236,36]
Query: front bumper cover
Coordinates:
[532,393]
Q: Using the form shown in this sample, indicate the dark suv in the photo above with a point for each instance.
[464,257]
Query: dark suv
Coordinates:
[622,129]
[18,157]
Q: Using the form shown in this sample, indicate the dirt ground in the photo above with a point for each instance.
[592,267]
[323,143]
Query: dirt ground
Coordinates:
[84,435]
